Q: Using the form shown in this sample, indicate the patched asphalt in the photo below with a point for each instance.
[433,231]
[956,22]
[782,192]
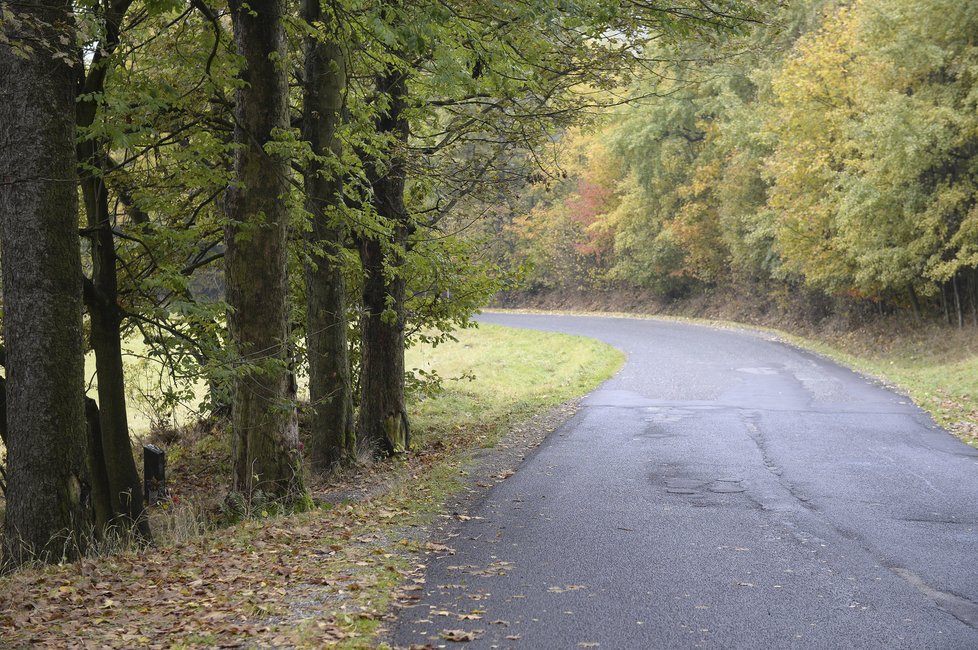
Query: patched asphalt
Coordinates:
[724,490]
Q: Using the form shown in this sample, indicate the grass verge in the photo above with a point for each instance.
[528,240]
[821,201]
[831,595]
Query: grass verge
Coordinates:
[325,578]
[498,375]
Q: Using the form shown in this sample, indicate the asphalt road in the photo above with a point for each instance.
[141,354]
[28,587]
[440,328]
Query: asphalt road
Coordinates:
[722,491]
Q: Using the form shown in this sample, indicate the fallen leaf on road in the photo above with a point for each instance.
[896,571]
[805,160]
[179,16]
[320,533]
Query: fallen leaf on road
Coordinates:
[560,590]
[461,635]
[439,548]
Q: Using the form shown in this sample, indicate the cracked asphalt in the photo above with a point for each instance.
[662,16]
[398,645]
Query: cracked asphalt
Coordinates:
[722,491]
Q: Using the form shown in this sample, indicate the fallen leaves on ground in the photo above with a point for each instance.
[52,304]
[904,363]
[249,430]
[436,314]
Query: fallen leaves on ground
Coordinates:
[461,635]
[313,580]
[261,584]
[321,579]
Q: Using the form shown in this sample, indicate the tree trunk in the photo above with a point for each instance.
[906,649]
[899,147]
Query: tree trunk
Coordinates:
[48,510]
[118,492]
[101,501]
[101,297]
[974,297]
[383,417]
[122,480]
[265,436]
[957,301]
[915,303]
[333,437]
[383,420]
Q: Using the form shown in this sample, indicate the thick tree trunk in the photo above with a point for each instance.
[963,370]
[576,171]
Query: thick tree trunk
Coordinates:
[48,509]
[265,437]
[383,420]
[333,437]
[383,417]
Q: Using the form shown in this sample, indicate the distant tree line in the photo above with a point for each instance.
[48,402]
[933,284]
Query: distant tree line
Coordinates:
[326,160]
[833,151]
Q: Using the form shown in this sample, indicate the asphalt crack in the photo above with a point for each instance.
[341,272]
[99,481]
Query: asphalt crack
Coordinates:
[961,608]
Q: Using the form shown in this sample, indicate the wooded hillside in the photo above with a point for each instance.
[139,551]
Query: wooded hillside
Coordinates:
[831,152]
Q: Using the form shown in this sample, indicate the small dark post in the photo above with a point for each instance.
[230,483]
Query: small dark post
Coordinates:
[154,474]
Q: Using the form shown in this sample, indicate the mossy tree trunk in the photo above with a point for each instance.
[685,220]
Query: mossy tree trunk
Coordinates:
[333,437]
[383,417]
[265,437]
[48,510]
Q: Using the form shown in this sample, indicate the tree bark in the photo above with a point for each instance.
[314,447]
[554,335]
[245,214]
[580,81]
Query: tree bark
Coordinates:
[265,437]
[383,420]
[333,437]
[48,509]
[101,500]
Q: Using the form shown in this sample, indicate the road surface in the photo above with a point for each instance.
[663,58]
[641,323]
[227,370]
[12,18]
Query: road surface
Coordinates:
[722,491]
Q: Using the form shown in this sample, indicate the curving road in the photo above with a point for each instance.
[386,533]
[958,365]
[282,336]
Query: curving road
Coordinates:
[722,491]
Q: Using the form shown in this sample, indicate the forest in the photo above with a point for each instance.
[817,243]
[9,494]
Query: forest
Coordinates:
[830,153]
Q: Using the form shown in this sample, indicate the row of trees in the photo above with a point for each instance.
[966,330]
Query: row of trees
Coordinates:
[325,157]
[835,149]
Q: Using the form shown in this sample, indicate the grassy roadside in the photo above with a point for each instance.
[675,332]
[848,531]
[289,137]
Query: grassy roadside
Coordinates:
[325,578]
[933,364]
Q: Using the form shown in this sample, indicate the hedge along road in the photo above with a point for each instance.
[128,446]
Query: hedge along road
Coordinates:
[723,490]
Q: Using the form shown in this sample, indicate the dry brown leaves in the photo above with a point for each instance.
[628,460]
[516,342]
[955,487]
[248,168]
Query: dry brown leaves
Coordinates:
[252,587]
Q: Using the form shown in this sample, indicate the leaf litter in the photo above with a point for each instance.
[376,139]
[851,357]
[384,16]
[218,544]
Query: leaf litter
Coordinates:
[331,577]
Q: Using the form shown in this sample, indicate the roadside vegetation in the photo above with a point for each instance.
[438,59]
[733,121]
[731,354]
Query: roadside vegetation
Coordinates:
[323,577]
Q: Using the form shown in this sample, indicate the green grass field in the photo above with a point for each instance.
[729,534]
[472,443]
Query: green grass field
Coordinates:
[495,375]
